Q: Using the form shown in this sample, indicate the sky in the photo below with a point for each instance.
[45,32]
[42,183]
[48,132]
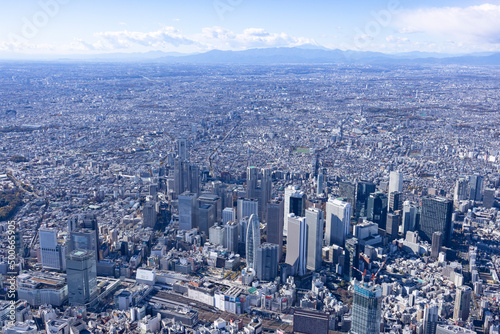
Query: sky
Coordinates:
[65,27]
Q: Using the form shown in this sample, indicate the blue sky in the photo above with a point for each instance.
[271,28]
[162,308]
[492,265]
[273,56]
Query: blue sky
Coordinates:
[91,26]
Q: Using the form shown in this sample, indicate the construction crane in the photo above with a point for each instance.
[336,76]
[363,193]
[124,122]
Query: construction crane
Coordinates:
[363,273]
[374,276]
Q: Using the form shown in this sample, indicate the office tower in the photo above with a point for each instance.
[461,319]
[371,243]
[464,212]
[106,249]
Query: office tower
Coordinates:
[193,182]
[462,303]
[437,240]
[363,191]
[296,244]
[252,181]
[395,201]
[319,186]
[186,177]
[461,189]
[83,239]
[266,192]
[338,217]
[87,222]
[182,151]
[352,249]
[212,199]
[81,277]
[366,309]
[436,217]
[187,211]
[314,232]
[395,182]
[216,234]
[430,319]
[347,191]
[376,209]
[246,208]
[489,198]
[206,217]
[409,217]
[149,214]
[51,252]
[393,221]
[178,176]
[231,236]
[274,221]
[252,240]
[228,215]
[295,202]
[476,188]
[242,230]
[266,262]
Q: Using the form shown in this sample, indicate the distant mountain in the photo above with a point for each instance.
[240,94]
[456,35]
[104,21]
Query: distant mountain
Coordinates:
[304,54]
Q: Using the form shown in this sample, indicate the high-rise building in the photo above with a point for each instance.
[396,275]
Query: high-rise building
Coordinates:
[83,239]
[252,240]
[228,215]
[149,214]
[310,322]
[296,244]
[352,249]
[246,208]
[266,186]
[274,221]
[430,319]
[395,201]
[476,188]
[363,191]
[376,209]
[395,182]
[231,236]
[436,217]
[52,253]
[366,309]
[81,276]
[462,303]
[186,177]
[206,217]
[347,191]
[182,149]
[295,202]
[314,231]
[187,211]
[252,181]
[393,222]
[85,222]
[212,199]
[338,217]
[216,234]
[437,240]
[266,262]
[489,198]
[461,189]
[409,217]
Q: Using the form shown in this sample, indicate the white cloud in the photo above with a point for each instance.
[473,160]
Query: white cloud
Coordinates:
[478,24]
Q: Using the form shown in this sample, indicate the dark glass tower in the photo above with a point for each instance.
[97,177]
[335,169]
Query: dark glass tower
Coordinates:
[436,217]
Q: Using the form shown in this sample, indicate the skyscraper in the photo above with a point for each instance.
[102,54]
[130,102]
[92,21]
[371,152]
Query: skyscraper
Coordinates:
[252,240]
[489,198]
[351,258]
[409,217]
[430,319]
[228,215]
[266,262]
[295,202]
[81,277]
[338,217]
[436,217]
[314,225]
[83,239]
[266,186]
[395,182]
[461,187]
[347,191]
[366,309]
[437,240]
[376,209]
[274,221]
[87,222]
[462,303]
[182,149]
[187,211]
[206,217]
[51,252]
[319,186]
[149,214]
[393,222]
[296,244]
[395,201]
[246,208]
[476,188]
[231,236]
[363,190]
[252,179]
